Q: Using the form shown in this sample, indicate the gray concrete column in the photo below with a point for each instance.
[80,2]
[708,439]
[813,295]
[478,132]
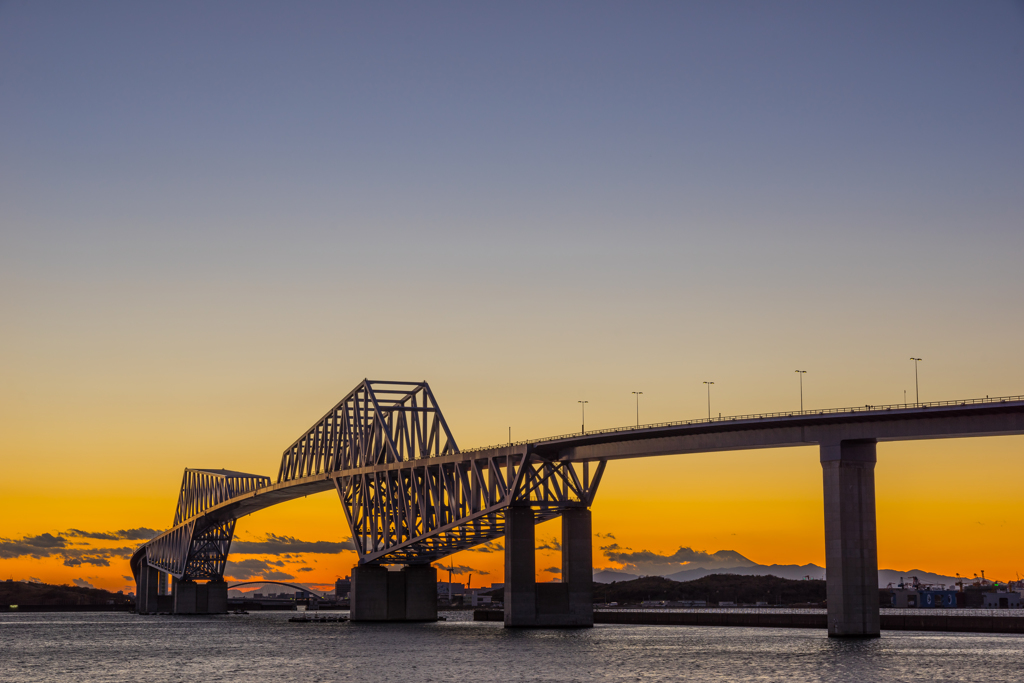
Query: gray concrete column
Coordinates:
[420,592]
[202,598]
[217,597]
[851,546]
[184,593]
[578,566]
[368,597]
[146,587]
[520,568]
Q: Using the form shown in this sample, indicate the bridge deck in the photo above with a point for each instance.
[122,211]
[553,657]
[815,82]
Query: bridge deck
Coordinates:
[951,419]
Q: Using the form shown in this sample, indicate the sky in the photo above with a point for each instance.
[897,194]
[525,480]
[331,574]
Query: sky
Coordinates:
[215,220]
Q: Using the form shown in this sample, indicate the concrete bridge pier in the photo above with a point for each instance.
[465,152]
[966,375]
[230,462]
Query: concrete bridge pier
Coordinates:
[381,595]
[189,597]
[147,589]
[851,546]
[569,603]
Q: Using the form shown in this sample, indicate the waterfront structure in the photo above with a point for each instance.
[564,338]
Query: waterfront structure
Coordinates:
[412,497]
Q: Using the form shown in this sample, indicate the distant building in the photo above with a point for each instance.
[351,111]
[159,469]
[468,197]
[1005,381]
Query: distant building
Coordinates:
[342,587]
[1001,600]
[457,589]
[910,598]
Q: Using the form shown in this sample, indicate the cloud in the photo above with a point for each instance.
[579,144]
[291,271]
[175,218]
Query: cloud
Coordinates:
[305,569]
[45,541]
[82,583]
[128,578]
[553,544]
[281,545]
[138,534]
[646,562]
[248,569]
[459,569]
[488,547]
[86,559]
[103,536]
[48,545]
[33,579]
[610,536]
[554,570]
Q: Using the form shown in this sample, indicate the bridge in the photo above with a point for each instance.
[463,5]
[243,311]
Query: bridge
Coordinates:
[411,497]
[294,586]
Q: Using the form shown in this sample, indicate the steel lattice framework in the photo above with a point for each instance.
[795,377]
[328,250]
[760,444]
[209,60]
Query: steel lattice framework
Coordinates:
[196,547]
[409,495]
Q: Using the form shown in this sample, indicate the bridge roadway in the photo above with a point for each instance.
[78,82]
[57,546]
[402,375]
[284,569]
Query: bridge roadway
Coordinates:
[411,497]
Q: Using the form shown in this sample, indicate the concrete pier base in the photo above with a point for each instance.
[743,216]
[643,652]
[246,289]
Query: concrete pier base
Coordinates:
[217,597]
[147,589]
[565,604]
[184,593]
[380,595]
[851,546]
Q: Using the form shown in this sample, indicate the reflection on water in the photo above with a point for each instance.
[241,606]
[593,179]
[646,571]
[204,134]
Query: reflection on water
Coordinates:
[266,647]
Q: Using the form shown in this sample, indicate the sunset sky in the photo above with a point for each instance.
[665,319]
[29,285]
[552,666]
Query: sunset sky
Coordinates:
[215,220]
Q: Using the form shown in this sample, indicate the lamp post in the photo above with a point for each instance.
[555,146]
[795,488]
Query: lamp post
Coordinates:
[801,373]
[709,399]
[637,394]
[917,388]
[583,409]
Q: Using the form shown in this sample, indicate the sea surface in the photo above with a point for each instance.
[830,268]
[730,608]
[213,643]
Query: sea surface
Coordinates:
[263,647]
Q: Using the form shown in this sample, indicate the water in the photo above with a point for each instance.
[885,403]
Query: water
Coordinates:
[266,647]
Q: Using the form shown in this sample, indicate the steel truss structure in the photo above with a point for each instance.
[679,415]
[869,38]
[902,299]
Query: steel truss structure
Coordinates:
[409,495]
[197,548]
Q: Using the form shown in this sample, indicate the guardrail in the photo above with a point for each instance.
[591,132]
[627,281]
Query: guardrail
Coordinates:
[758,416]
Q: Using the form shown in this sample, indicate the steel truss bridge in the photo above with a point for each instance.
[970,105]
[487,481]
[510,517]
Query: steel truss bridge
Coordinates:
[411,496]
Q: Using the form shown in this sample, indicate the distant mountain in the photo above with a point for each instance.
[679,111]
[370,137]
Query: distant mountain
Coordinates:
[610,576]
[793,572]
[887,576]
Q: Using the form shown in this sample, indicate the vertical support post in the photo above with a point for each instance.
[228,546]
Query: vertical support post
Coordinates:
[369,593]
[520,568]
[851,545]
[184,593]
[420,592]
[217,597]
[146,585]
[578,565]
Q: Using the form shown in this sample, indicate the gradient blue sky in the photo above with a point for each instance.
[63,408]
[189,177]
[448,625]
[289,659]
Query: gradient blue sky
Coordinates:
[215,218]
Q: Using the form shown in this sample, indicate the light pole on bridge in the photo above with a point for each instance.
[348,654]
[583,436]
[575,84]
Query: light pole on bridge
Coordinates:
[637,394]
[801,373]
[709,399]
[917,389]
[583,418]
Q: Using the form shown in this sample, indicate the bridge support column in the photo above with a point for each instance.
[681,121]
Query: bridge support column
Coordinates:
[380,595]
[147,587]
[851,546]
[184,593]
[217,597]
[569,603]
[520,568]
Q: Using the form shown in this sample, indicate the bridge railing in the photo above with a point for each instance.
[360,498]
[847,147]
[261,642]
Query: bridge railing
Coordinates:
[757,416]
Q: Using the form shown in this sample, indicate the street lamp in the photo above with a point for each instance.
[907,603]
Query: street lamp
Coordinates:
[709,399]
[801,373]
[637,394]
[917,389]
[583,408]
